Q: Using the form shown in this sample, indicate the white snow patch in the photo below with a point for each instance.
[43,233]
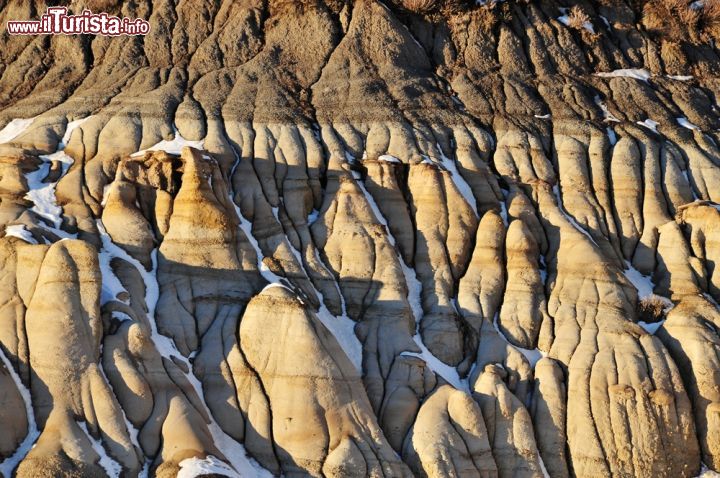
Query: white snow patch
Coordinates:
[542,466]
[313,216]
[389,158]
[706,472]
[192,467]
[234,451]
[450,374]
[687,178]
[636,73]
[14,128]
[612,137]
[607,115]
[680,77]
[504,213]
[19,230]
[8,465]
[173,146]
[342,328]
[111,285]
[649,124]
[43,194]
[651,327]
[547,116]
[111,467]
[642,283]
[686,124]
[71,126]
[532,355]
[447,372]
[606,22]
[558,196]
[460,183]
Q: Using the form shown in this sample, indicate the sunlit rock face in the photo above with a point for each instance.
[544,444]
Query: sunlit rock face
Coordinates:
[352,238]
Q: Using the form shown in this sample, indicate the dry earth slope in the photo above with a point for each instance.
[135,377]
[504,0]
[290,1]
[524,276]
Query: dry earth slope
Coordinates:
[350,238]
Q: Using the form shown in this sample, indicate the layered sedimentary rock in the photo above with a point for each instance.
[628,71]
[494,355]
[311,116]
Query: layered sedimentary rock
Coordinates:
[362,238]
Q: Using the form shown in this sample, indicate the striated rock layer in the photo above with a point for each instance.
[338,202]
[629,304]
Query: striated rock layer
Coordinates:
[351,238]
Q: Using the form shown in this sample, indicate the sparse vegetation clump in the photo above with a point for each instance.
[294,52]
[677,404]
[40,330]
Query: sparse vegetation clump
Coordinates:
[577,18]
[683,20]
[653,308]
[420,6]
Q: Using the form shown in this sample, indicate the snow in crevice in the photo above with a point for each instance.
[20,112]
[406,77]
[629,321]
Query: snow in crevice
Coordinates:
[342,327]
[232,450]
[532,355]
[651,327]
[312,217]
[649,124]
[645,290]
[111,467]
[685,123]
[607,115]
[503,209]
[612,136]
[642,283]
[389,159]
[14,129]
[192,467]
[542,466]
[636,73]
[19,231]
[558,196]
[42,194]
[706,472]
[462,186]
[686,175]
[111,286]
[680,77]
[173,146]
[447,372]
[543,268]
[10,463]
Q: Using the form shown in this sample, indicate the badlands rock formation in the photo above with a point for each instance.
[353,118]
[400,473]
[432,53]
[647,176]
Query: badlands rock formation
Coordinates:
[351,238]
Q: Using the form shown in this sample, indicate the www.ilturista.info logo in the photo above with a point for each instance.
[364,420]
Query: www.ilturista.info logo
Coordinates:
[56,21]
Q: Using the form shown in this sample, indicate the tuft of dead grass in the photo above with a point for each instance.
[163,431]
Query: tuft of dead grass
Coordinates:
[420,6]
[683,20]
[577,18]
[651,309]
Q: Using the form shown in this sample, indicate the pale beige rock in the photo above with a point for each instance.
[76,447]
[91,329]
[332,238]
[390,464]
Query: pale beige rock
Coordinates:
[442,253]
[309,431]
[449,438]
[508,425]
[68,386]
[13,415]
[549,416]
[524,305]
[690,333]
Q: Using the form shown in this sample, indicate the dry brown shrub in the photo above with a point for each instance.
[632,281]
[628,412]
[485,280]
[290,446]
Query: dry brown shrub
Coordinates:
[420,6]
[675,20]
[651,309]
[577,18]
[710,18]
